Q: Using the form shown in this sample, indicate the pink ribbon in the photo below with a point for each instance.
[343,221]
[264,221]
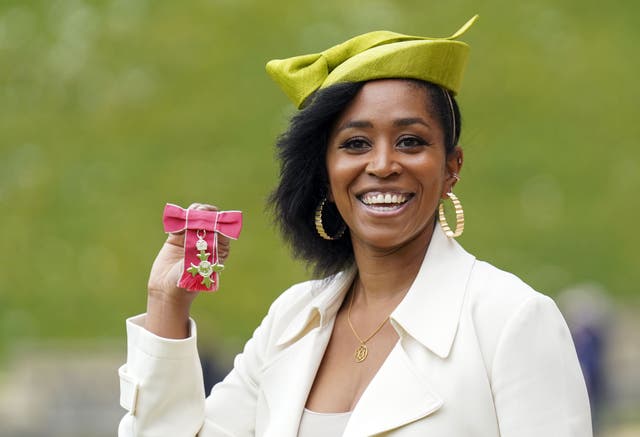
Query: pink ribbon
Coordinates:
[206,224]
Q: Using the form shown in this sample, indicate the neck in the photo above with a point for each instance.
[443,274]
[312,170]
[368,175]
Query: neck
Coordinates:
[385,275]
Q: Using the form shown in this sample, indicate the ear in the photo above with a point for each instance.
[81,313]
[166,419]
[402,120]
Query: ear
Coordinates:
[453,167]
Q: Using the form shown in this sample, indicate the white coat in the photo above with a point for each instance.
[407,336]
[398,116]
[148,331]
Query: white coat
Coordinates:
[480,354]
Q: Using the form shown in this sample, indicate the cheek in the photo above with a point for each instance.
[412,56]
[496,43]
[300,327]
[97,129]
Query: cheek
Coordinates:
[428,167]
[331,177]
[337,186]
[432,176]
[341,173]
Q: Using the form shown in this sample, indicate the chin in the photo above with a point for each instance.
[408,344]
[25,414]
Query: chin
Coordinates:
[388,240]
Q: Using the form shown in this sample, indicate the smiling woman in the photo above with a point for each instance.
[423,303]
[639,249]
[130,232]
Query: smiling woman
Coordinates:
[388,167]
[408,334]
[304,180]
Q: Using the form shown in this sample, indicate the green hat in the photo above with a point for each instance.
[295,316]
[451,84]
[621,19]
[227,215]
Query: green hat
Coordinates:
[374,55]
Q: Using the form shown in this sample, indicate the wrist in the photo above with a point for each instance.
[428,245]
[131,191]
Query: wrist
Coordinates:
[168,316]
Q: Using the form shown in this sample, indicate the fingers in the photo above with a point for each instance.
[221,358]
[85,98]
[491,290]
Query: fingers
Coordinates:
[203,207]
[224,246]
[176,239]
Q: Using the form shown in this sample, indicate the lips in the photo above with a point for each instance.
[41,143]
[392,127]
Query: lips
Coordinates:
[384,201]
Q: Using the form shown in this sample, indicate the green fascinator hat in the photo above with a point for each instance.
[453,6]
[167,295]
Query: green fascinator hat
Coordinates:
[375,55]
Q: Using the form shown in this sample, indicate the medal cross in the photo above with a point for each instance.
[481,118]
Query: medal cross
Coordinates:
[204,267]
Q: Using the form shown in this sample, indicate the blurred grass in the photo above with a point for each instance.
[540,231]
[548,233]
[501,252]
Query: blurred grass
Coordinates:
[109,109]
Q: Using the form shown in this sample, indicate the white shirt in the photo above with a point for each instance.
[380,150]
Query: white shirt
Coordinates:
[315,424]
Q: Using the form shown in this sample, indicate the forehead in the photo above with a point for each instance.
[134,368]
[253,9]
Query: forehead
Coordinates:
[389,99]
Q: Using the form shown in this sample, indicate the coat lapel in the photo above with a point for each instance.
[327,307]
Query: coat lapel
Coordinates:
[397,395]
[287,380]
[430,312]
[426,321]
[400,393]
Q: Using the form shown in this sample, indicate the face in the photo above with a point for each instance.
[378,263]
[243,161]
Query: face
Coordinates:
[387,165]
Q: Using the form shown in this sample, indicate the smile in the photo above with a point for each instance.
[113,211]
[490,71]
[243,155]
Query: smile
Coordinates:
[380,201]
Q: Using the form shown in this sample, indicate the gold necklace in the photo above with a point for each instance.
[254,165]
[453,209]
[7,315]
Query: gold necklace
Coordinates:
[361,350]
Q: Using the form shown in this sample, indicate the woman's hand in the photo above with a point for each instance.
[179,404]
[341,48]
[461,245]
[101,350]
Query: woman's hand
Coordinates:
[168,306]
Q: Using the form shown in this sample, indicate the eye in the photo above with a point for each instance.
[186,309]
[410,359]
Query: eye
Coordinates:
[356,144]
[411,142]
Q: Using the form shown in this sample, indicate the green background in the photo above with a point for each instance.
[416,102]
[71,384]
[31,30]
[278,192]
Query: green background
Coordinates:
[110,109]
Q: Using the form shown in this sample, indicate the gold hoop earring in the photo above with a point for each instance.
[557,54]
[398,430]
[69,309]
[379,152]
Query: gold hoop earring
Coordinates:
[459,217]
[320,226]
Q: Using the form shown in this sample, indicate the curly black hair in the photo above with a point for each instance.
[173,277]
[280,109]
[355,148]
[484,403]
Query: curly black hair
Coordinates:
[303,175]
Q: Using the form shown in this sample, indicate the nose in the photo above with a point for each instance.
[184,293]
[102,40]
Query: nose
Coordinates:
[383,163]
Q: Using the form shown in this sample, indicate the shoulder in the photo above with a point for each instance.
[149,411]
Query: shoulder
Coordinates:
[290,303]
[297,304]
[500,304]
[299,295]
[528,354]
[498,292]
[317,291]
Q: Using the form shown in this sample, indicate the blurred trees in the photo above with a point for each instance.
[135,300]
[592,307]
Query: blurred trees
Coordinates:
[109,109]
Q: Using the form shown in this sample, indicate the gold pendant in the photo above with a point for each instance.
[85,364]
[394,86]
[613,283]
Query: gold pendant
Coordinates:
[361,353]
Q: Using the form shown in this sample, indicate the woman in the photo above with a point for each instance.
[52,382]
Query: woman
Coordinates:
[409,335]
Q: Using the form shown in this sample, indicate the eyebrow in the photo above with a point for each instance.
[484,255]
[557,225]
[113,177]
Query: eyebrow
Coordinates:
[356,124]
[401,122]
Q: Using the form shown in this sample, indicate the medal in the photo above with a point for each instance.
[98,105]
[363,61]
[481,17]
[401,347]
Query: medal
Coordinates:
[201,261]
[204,268]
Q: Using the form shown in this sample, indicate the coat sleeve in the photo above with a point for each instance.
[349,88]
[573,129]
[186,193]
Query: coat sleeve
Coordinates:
[161,386]
[537,383]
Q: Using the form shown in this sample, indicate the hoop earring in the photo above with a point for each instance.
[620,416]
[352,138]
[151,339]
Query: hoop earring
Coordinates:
[320,226]
[459,217]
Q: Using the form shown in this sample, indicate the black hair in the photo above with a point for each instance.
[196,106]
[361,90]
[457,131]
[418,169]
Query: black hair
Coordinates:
[303,176]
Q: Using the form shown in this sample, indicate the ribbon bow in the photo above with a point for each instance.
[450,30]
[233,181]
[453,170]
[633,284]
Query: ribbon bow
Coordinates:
[200,272]
[374,55]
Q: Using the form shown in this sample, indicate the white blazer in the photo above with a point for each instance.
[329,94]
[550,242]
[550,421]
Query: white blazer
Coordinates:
[479,354]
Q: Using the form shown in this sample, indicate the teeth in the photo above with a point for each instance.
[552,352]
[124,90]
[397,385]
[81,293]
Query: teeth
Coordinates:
[384,199]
